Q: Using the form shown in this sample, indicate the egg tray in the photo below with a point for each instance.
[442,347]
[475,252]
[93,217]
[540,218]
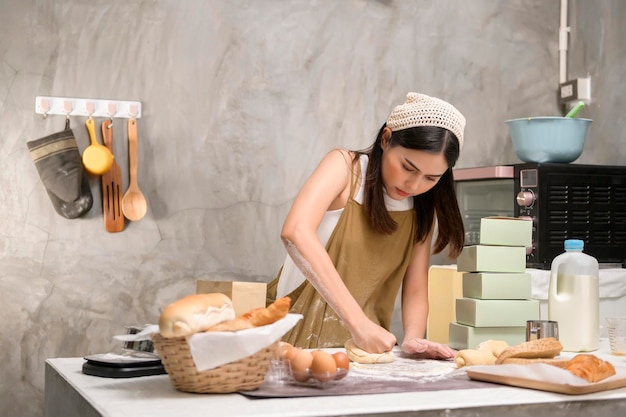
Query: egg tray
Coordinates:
[310,379]
[281,373]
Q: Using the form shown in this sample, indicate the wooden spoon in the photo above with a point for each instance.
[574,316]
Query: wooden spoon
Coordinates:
[97,159]
[134,204]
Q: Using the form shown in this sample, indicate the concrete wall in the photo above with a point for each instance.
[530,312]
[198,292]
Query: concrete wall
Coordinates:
[240,100]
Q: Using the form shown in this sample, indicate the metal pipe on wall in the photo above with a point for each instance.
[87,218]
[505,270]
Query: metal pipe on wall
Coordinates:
[563,40]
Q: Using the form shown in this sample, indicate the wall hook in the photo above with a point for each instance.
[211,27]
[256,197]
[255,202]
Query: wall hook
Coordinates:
[132,110]
[68,106]
[90,107]
[45,107]
[111,111]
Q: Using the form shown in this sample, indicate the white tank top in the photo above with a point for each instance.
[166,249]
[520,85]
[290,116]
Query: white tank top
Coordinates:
[291,277]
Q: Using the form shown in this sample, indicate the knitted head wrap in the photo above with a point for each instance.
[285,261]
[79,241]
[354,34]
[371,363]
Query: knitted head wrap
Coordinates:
[423,110]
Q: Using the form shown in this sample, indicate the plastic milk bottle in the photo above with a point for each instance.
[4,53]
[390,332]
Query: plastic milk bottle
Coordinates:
[574,296]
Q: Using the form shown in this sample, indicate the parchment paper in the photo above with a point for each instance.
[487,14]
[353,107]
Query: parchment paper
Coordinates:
[213,349]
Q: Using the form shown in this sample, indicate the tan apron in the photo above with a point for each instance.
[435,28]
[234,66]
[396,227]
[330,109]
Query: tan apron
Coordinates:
[372,266]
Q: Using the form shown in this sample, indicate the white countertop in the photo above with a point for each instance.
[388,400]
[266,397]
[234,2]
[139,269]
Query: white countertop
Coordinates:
[155,396]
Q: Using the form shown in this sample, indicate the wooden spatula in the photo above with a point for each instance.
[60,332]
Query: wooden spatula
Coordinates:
[111,187]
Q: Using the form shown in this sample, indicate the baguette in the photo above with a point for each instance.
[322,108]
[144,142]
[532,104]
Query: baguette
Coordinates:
[256,317]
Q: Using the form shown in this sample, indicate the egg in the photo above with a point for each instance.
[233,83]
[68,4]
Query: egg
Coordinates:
[323,366]
[300,363]
[284,348]
[341,359]
[289,353]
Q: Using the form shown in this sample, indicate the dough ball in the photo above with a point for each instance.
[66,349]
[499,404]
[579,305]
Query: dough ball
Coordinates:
[358,355]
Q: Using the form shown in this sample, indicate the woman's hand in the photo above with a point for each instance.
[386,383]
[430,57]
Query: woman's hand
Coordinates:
[373,338]
[426,349]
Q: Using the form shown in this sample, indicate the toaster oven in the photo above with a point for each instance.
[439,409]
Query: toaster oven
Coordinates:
[564,201]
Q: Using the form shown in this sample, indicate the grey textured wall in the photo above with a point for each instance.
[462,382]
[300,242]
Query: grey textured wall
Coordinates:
[240,100]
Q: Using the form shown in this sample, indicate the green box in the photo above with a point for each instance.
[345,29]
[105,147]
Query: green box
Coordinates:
[506,231]
[468,337]
[483,258]
[496,313]
[497,285]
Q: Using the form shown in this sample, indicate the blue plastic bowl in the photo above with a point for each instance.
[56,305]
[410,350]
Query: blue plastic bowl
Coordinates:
[548,139]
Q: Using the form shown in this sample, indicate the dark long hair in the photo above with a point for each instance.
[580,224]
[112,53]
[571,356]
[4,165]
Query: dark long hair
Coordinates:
[439,201]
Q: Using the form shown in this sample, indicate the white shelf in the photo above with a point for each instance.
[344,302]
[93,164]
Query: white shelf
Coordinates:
[68,106]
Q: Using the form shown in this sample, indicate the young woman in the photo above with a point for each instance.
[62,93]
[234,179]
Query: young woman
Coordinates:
[362,227]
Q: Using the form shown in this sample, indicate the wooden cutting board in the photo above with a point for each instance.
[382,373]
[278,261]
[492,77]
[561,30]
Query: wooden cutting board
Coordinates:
[545,378]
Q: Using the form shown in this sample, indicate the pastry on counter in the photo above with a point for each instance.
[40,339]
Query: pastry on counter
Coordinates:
[485,353]
[590,367]
[496,347]
[470,357]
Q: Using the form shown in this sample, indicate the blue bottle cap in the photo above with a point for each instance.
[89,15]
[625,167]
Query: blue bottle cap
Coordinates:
[574,244]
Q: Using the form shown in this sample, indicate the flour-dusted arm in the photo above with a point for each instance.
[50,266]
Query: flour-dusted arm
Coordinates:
[326,189]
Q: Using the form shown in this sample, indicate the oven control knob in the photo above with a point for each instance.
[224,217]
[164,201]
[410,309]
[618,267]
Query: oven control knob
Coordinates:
[529,250]
[527,218]
[525,198]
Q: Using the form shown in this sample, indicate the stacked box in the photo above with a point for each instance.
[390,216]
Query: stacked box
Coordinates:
[445,285]
[496,300]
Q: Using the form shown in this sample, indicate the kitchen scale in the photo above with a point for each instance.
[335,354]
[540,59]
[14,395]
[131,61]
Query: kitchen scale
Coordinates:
[112,365]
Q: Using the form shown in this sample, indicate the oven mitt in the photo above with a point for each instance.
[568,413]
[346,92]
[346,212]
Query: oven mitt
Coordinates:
[61,170]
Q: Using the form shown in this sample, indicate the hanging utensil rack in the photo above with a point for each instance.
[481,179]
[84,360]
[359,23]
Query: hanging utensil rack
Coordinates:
[68,106]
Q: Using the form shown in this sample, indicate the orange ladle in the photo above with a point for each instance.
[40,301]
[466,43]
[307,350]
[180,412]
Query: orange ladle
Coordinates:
[97,159]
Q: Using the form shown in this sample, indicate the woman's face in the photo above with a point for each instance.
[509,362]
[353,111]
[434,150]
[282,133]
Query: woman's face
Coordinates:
[408,172]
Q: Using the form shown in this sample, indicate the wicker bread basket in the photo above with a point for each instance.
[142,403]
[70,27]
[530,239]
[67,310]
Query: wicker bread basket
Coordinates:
[246,374]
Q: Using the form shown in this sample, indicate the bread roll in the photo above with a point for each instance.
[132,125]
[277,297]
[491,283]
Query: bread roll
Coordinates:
[195,313]
[590,367]
[469,357]
[496,347]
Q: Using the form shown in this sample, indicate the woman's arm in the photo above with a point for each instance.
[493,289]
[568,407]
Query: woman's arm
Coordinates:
[329,188]
[415,307]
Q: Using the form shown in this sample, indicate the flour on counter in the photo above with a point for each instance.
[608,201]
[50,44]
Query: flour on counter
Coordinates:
[406,368]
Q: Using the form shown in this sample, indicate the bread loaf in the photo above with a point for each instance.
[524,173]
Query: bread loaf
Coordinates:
[195,313]
[590,367]
[547,347]
[560,362]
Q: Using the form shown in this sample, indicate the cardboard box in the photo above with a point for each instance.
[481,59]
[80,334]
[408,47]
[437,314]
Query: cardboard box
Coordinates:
[244,295]
[468,337]
[496,313]
[444,287]
[482,258]
[497,285]
[506,231]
